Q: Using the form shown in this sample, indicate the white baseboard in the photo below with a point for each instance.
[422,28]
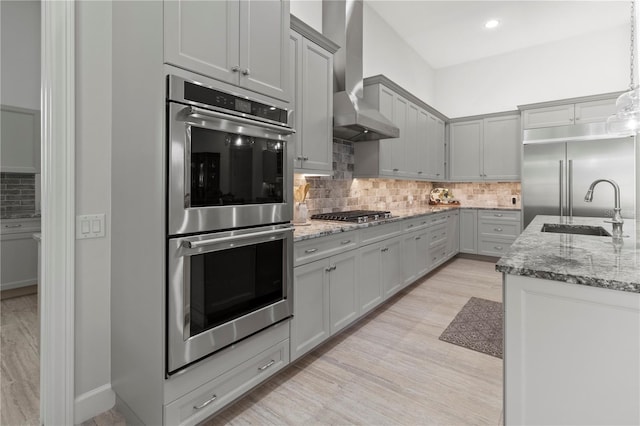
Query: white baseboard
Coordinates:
[94,402]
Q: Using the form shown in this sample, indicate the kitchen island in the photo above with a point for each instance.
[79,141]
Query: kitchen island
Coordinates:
[572,324]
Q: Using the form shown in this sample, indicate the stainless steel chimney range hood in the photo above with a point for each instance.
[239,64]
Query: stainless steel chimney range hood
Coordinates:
[353,118]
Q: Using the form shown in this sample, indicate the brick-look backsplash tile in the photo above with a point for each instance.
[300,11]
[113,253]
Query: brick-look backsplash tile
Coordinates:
[342,192]
[17,193]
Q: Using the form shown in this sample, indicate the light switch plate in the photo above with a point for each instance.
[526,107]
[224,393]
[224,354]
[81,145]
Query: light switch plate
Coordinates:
[90,226]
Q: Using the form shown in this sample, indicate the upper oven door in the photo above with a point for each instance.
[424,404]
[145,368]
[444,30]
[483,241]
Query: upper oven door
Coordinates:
[226,171]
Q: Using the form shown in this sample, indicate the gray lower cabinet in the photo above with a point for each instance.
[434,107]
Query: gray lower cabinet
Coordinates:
[370,292]
[311,324]
[19,253]
[415,249]
[391,265]
[469,231]
[453,233]
[488,232]
[343,290]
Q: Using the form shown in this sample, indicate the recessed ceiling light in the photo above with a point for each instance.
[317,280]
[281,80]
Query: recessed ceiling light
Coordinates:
[492,23]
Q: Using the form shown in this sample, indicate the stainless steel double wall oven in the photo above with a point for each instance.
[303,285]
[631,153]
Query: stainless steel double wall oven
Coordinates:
[229,237]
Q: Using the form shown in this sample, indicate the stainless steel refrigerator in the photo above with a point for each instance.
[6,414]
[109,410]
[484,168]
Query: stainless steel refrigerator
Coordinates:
[557,172]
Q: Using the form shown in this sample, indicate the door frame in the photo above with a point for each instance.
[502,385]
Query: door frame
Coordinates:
[57,103]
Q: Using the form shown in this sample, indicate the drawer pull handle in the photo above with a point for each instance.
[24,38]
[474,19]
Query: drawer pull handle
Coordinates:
[267,365]
[497,229]
[207,402]
[417,238]
[424,222]
[19,225]
[498,248]
[331,268]
[312,250]
[384,249]
[410,226]
[396,170]
[345,242]
[498,214]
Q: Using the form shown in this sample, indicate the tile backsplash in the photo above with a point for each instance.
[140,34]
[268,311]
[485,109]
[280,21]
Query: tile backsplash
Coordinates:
[17,193]
[343,192]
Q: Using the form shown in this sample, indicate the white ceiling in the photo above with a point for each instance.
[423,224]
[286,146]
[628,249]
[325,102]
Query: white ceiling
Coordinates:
[452,32]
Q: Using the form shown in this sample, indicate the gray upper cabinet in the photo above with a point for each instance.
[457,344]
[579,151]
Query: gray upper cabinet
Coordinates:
[567,114]
[312,89]
[418,153]
[20,140]
[486,149]
[244,43]
[466,150]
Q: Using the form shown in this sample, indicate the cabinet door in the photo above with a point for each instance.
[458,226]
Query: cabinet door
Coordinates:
[295,70]
[466,150]
[414,167]
[453,234]
[502,148]
[435,149]
[317,107]
[392,277]
[264,47]
[203,36]
[20,135]
[415,255]
[370,292]
[594,111]
[469,231]
[400,113]
[387,146]
[19,266]
[423,148]
[560,115]
[310,324]
[343,290]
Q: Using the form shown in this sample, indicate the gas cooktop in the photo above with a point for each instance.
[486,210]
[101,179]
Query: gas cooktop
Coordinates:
[357,216]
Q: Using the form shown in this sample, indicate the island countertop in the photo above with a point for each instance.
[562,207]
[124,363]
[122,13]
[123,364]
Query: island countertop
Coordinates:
[578,259]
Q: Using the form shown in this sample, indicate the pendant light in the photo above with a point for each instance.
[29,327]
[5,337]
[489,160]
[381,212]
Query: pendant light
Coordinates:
[626,120]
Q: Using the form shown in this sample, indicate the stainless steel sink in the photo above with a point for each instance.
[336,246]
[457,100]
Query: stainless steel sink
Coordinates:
[575,229]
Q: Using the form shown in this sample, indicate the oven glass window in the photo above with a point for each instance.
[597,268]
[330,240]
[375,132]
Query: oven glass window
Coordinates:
[228,284]
[228,169]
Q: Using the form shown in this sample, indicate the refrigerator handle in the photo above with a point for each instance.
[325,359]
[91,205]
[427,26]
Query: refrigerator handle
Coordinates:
[570,188]
[561,192]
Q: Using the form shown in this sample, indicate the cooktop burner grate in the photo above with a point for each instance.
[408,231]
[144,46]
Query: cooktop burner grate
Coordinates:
[357,216]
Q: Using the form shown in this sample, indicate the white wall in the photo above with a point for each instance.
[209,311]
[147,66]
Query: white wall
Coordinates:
[384,52]
[20,53]
[587,65]
[309,11]
[93,195]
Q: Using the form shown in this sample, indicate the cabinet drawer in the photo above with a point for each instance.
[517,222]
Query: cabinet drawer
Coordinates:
[503,215]
[16,226]
[438,235]
[318,248]
[494,246]
[416,223]
[377,233]
[499,229]
[437,254]
[201,403]
[437,219]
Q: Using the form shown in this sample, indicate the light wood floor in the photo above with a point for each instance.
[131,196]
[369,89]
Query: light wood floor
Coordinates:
[389,368]
[19,361]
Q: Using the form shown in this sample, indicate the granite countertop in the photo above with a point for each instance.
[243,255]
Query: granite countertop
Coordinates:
[322,228]
[578,259]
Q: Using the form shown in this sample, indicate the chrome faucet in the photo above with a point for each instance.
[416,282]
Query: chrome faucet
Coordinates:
[617,217]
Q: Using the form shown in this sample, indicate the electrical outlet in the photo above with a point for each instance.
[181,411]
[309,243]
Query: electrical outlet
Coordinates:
[90,226]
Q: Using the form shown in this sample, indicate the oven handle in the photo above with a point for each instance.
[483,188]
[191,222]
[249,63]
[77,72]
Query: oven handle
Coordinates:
[205,114]
[203,243]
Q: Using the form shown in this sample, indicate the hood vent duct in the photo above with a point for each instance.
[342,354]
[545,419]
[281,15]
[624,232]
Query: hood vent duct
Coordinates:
[353,118]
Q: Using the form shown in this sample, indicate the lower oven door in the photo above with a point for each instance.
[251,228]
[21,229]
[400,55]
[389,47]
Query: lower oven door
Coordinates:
[226,286]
